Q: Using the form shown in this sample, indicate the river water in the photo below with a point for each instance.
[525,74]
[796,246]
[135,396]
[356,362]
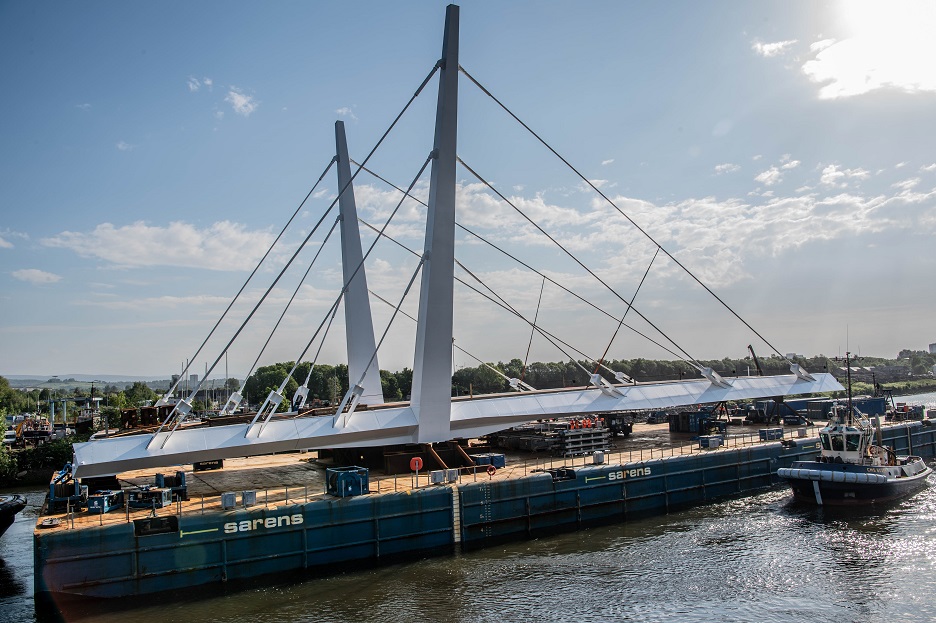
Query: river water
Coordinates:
[759,558]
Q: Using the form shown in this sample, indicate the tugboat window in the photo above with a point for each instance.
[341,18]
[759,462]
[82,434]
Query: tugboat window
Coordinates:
[825,441]
[837,443]
[851,442]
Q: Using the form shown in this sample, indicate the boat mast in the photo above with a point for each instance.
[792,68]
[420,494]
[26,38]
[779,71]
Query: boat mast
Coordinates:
[848,418]
[431,397]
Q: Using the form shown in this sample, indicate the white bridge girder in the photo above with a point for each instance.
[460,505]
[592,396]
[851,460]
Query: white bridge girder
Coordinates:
[470,417]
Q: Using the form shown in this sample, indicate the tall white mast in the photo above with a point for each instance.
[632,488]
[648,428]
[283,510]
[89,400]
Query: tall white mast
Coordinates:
[362,360]
[431,397]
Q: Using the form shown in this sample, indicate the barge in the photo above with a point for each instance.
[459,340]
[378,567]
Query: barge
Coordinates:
[298,529]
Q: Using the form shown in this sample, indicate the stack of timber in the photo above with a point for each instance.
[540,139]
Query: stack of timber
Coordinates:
[556,437]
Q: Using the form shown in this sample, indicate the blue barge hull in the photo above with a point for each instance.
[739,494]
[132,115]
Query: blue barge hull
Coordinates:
[146,557]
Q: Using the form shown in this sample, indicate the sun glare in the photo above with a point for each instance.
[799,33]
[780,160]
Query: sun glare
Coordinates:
[885,45]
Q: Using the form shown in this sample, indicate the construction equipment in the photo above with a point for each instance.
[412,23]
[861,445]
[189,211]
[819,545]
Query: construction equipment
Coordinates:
[760,371]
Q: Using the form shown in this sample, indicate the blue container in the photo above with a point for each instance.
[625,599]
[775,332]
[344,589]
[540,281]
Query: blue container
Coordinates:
[105,501]
[482,459]
[770,434]
[710,441]
[498,460]
[346,481]
[871,406]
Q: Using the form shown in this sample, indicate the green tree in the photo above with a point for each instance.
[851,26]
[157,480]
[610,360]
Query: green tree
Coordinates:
[268,379]
[139,393]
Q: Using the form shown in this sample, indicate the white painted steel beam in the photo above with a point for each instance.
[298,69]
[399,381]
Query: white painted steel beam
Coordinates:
[362,360]
[397,424]
[432,363]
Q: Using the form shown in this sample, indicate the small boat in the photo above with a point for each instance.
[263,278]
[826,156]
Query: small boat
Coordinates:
[851,470]
[9,506]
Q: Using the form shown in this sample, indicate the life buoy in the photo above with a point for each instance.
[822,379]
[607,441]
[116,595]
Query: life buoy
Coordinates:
[491,470]
[415,463]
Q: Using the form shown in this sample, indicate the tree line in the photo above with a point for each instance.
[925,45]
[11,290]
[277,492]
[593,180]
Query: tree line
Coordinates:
[329,383]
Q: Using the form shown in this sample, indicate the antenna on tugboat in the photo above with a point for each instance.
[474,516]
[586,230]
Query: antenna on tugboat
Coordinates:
[849,357]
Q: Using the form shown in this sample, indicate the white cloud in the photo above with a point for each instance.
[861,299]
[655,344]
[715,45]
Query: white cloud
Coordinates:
[124,146]
[164,302]
[769,177]
[722,237]
[833,176]
[242,103]
[345,111]
[193,84]
[906,184]
[35,276]
[83,106]
[890,47]
[772,49]
[607,162]
[7,234]
[222,246]
[900,165]
[792,164]
[928,167]
[726,167]
[208,83]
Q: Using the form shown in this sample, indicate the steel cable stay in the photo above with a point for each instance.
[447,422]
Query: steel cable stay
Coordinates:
[550,337]
[629,219]
[235,399]
[693,362]
[528,267]
[275,397]
[187,402]
[594,378]
[351,398]
[184,406]
[355,389]
[164,399]
[565,289]
[302,392]
[526,357]
[516,384]
[629,306]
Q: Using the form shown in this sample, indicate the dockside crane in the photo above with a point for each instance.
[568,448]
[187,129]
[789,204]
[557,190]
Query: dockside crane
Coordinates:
[760,372]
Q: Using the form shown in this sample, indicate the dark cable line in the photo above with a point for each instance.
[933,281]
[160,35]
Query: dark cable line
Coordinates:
[620,211]
[629,306]
[525,265]
[577,261]
[306,240]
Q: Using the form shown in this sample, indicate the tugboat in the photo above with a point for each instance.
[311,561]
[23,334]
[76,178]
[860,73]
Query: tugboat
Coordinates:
[9,506]
[851,469]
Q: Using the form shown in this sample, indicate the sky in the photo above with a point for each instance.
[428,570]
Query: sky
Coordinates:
[783,152]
